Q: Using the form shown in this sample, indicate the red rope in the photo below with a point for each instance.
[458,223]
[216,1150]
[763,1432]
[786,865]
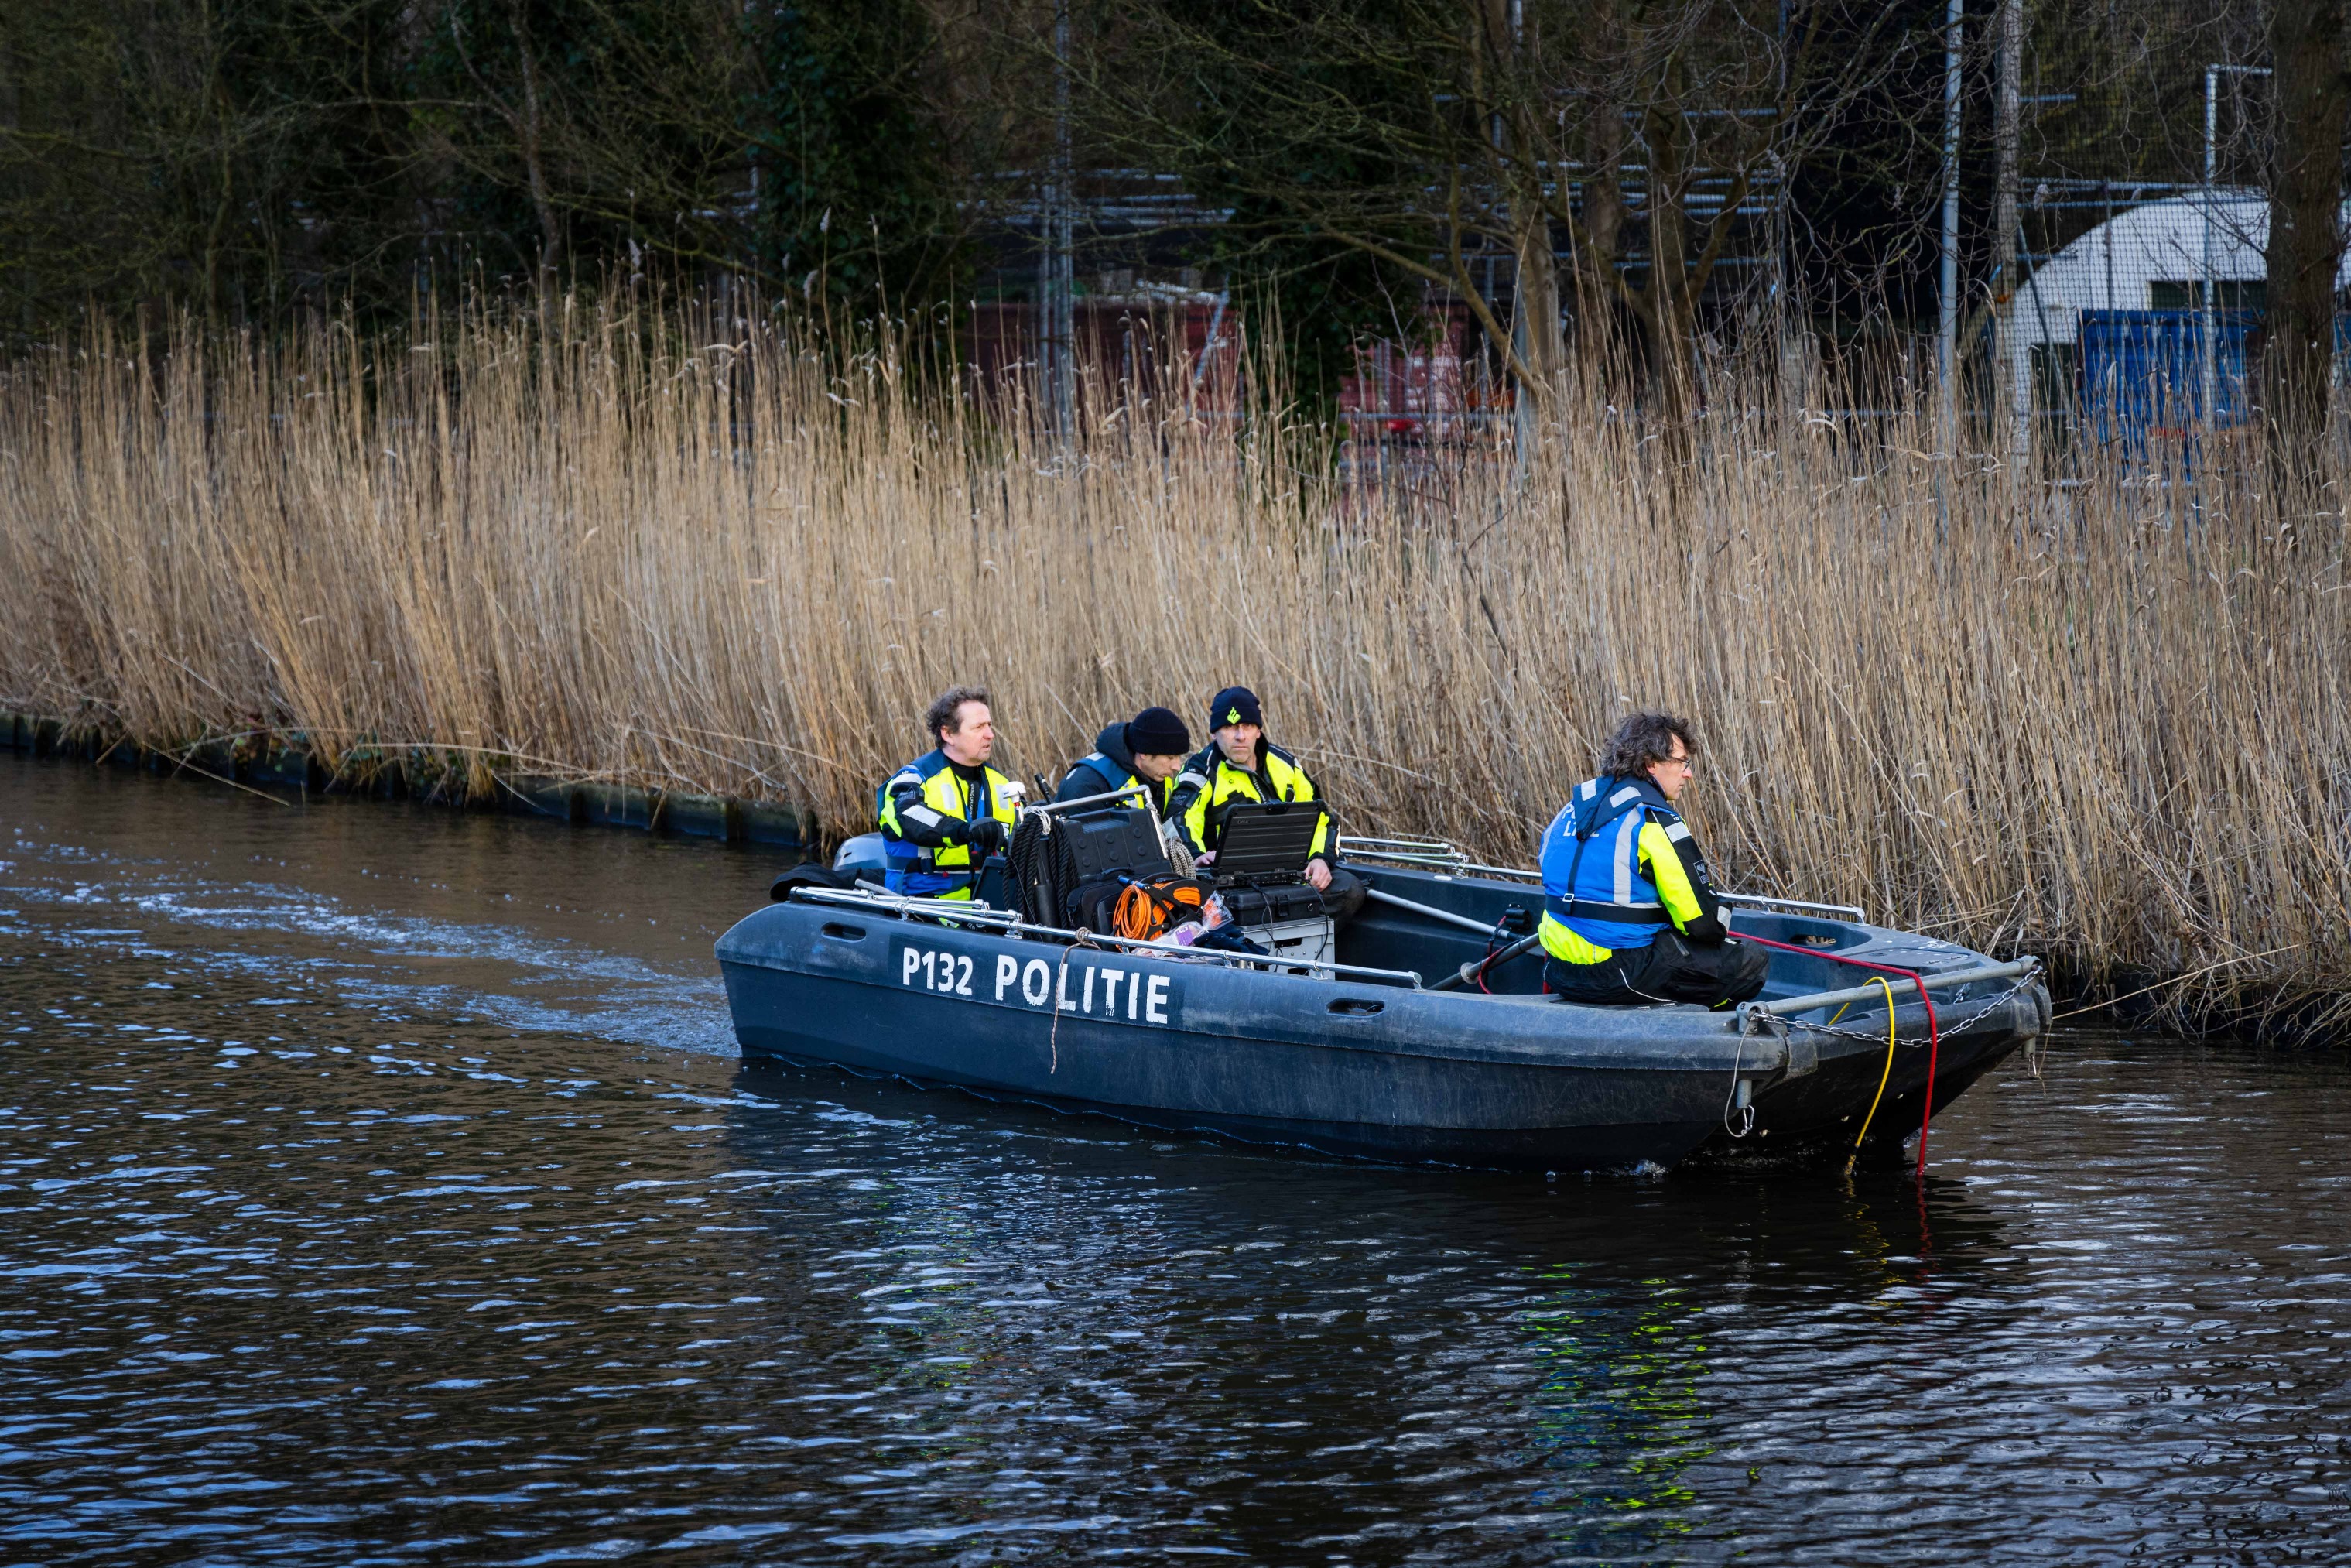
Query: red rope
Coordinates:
[1934,1036]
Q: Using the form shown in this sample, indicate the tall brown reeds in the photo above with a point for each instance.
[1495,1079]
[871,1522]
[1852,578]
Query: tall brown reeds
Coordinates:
[2087,709]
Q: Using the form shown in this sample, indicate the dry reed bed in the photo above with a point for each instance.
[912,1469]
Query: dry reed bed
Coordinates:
[658,549]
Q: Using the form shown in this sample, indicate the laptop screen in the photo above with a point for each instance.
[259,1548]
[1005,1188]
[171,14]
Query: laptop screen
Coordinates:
[1272,840]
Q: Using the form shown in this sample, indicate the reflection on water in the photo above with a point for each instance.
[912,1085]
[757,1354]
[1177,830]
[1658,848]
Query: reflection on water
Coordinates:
[1618,1410]
[379,1184]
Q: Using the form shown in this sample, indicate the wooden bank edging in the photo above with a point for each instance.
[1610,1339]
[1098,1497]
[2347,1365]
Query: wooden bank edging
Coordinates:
[283,762]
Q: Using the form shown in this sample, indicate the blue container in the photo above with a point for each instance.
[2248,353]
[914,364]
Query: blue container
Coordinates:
[2141,373]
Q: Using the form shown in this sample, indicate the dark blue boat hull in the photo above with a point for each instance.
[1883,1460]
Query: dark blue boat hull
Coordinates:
[1349,1068]
[1341,1100]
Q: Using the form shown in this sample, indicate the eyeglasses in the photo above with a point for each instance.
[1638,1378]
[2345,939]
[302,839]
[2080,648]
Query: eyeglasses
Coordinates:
[1682,762]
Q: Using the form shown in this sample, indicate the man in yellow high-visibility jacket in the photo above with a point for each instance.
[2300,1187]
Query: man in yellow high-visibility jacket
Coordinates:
[943,813]
[1239,766]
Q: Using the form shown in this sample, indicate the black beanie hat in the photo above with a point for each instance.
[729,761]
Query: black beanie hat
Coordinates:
[1235,705]
[1158,732]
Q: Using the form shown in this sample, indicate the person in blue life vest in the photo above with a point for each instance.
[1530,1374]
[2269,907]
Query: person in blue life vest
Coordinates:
[1237,766]
[943,813]
[1630,916]
[1148,749]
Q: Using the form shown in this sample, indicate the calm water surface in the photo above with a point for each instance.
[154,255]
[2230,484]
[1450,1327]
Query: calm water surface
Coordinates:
[379,1184]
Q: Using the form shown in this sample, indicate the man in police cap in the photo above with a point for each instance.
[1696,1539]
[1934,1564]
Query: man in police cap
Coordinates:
[1239,766]
[1148,749]
[1630,916]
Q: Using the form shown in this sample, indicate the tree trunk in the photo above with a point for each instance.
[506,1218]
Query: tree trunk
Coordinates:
[1519,148]
[1672,314]
[534,160]
[2306,237]
[1597,307]
[1537,329]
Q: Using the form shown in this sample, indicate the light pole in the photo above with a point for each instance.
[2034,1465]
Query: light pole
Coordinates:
[1056,282]
[1523,330]
[2006,252]
[2208,356]
[1947,326]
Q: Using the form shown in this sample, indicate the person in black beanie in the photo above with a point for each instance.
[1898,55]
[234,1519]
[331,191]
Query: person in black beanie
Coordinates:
[1239,766]
[1148,749]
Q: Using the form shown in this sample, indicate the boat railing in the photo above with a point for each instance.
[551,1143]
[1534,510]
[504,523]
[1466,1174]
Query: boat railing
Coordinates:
[962,912]
[1133,792]
[1853,912]
[1944,979]
[1432,853]
[1439,854]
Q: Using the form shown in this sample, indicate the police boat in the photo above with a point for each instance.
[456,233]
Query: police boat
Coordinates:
[1414,1029]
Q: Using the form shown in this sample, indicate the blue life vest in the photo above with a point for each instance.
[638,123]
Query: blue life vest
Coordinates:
[946,871]
[1113,778]
[1592,880]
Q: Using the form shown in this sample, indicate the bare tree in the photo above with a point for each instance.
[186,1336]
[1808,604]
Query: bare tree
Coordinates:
[1637,138]
[2306,235]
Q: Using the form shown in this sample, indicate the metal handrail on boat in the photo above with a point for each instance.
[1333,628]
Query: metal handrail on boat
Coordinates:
[1367,841]
[966,913]
[1785,1006]
[1440,855]
[1435,853]
[1763,901]
[1428,912]
[1048,807]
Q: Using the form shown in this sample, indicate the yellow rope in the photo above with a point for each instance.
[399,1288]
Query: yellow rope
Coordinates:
[1882,1078]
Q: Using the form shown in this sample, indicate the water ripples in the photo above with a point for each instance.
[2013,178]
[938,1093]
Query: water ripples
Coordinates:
[368,1219]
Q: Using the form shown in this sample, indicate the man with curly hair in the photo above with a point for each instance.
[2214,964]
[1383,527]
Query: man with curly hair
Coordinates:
[943,814]
[1630,916]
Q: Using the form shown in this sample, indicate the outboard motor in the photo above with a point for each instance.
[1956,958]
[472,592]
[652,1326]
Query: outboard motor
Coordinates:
[862,856]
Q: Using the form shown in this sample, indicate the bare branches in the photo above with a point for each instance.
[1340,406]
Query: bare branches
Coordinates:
[252,151]
[1636,143]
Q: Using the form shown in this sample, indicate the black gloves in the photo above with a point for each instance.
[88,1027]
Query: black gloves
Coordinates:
[987,836]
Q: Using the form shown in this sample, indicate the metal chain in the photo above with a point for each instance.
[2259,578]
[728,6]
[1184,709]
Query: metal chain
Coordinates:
[1991,1005]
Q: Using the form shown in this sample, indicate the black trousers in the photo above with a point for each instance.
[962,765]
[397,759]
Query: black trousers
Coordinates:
[1344,897]
[1673,968]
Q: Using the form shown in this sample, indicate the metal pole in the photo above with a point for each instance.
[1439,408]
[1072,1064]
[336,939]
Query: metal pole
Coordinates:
[1133,792]
[2008,248]
[2208,363]
[1464,977]
[1782,322]
[1060,327]
[1047,206]
[1947,334]
[1522,433]
[1430,912]
[1784,1005]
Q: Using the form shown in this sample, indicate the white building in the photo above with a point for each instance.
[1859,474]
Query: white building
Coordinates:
[2150,257]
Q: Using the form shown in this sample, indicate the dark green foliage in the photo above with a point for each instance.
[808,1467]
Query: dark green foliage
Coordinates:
[1316,299]
[854,202]
[220,155]
[1285,108]
[586,129]
[240,157]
